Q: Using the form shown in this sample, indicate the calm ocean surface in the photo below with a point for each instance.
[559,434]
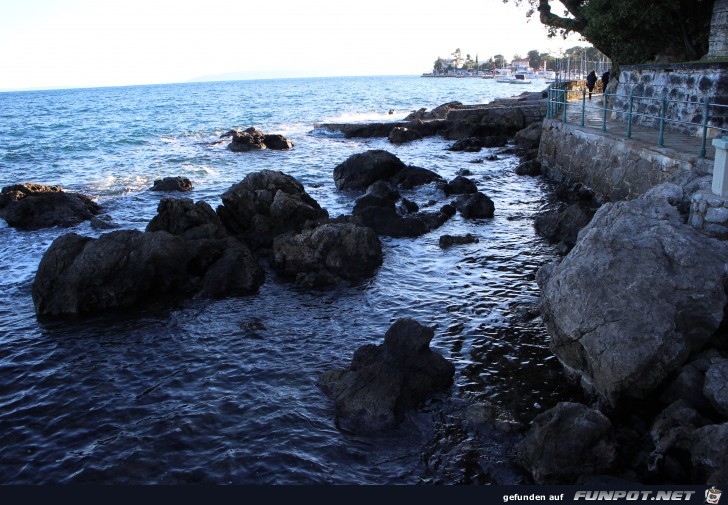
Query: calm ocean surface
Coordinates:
[189,393]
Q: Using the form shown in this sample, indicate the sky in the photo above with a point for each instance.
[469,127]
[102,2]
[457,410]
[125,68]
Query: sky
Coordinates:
[91,43]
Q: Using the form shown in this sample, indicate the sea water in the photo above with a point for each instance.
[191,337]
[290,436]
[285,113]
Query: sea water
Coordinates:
[224,391]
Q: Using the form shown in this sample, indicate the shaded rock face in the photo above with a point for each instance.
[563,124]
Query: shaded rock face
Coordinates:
[80,275]
[359,171]
[716,385]
[475,206]
[566,442]
[328,254]
[185,250]
[564,226]
[277,142]
[218,265]
[172,184]
[636,296]
[266,204]
[475,144]
[529,137]
[400,135]
[384,381]
[708,454]
[530,167]
[32,206]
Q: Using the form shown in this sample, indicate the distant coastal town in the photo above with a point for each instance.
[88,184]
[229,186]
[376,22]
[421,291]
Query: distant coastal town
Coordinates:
[575,62]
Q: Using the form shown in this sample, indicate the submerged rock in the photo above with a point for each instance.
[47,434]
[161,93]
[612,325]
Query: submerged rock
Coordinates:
[639,293]
[277,142]
[252,139]
[266,204]
[459,186]
[385,380]
[567,442]
[449,240]
[328,254]
[172,184]
[32,206]
[379,212]
[475,206]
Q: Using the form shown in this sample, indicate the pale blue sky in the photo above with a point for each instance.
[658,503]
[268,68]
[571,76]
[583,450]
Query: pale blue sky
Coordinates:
[85,43]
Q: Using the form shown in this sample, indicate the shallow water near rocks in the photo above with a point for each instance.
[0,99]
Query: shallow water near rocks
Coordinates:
[224,391]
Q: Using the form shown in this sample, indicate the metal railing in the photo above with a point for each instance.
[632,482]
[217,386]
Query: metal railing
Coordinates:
[560,98]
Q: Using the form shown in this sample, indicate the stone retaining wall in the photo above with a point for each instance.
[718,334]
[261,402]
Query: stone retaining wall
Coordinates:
[709,213]
[614,167]
[688,84]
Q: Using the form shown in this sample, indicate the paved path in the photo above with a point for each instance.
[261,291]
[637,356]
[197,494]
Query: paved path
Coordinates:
[593,117]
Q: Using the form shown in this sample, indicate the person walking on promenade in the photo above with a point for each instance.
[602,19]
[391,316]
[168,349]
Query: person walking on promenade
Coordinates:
[605,80]
[591,81]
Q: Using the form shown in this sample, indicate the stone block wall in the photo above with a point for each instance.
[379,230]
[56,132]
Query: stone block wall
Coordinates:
[688,85]
[614,167]
[709,213]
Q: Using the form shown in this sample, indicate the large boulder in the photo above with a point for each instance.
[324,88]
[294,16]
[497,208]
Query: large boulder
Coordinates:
[411,177]
[567,442]
[460,186]
[328,254]
[529,137]
[277,142]
[639,293]
[218,264]
[81,275]
[385,380]
[362,169]
[32,206]
[379,212]
[266,204]
[172,184]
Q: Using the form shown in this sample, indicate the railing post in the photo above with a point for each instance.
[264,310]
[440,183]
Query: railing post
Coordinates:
[629,116]
[703,151]
[583,105]
[663,106]
[604,114]
[566,99]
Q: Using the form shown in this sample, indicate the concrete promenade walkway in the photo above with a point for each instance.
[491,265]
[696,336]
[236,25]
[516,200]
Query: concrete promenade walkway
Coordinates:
[593,118]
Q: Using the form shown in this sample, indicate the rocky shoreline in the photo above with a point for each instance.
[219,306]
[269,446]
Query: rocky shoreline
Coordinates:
[635,309]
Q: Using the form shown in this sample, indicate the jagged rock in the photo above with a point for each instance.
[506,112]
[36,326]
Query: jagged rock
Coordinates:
[449,240]
[328,254]
[266,204]
[439,112]
[250,139]
[475,144]
[529,137]
[708,454]
[639,293]
[400,135]
[172,184]
[459,186]
[716,385]
[81,275]
[386,380]
[276,142]
[181,216]
[566,442]
[475,206]
[32,206]
[564,226]
[381,215]
[531,167]
[672,434]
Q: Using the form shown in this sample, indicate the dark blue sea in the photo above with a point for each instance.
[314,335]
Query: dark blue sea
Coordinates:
[195,393]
